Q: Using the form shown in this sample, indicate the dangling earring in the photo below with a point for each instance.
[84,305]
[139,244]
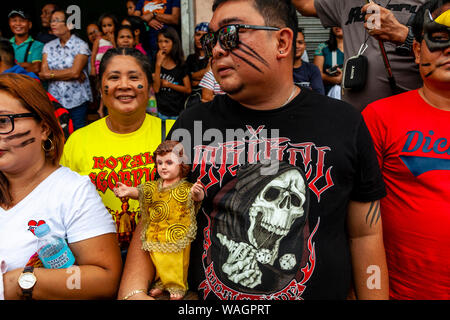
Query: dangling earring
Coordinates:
[47,148]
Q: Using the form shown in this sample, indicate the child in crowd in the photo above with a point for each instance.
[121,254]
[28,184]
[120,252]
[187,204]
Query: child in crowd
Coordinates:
[139,31]
[131,8]
[108,24]
[171,79]
[168,207]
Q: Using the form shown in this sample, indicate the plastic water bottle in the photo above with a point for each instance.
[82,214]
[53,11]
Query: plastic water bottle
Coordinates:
[53,250]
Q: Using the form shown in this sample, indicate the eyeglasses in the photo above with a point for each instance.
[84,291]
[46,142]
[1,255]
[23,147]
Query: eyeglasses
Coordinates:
[7,121]
[56,21]
[228,37]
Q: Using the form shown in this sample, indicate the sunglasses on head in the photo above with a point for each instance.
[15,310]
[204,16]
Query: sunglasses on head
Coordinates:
[228,37]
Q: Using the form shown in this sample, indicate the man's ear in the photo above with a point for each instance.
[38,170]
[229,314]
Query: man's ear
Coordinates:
[416,49]
[285,38]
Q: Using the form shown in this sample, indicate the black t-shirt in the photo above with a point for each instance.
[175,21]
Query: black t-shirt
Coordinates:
[196,63]
[261,232]
[171,102]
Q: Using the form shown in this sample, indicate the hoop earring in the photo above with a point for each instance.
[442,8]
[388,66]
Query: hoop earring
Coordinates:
[48,149]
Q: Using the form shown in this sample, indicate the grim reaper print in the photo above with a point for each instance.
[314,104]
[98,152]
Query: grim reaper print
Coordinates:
[259,234]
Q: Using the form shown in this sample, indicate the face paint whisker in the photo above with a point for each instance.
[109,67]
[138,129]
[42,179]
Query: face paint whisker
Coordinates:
[26,143]
[18,135]
[426,64]
[429,73]
[246,61]
[253,54]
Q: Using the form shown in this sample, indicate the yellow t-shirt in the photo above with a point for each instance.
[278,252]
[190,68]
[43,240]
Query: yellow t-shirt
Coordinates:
[107,158]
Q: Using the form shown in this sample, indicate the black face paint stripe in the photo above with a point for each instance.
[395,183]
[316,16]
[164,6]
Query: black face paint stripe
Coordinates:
[253,54]
[426,64]
[18,135]
[26,142]
[106,90]
[246,61]
[429,74]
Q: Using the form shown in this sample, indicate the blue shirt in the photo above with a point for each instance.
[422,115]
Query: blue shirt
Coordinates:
[308,75]
[160,7]
[72,93]
[18,69]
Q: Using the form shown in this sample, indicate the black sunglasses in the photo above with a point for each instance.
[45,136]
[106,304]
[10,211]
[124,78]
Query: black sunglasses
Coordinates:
[7,121]
[228,37]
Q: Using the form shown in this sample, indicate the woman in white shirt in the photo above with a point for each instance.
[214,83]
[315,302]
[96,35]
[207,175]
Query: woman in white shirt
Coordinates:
[64,66]
[35,189]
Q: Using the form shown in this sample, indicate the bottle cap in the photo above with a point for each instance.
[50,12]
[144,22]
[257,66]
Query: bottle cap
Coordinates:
[42,230]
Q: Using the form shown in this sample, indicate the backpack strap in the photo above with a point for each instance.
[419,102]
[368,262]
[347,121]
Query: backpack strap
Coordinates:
[28,50]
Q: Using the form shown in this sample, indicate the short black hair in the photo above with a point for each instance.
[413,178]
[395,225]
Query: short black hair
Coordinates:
[141,59]
[7,55]
[276,13]
[417,25]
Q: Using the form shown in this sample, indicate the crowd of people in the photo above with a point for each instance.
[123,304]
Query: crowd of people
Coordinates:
[309,175]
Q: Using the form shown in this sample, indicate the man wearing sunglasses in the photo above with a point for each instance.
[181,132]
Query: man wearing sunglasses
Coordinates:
[291,177]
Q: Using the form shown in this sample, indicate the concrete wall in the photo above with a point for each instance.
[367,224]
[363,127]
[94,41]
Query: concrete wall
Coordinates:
[203,10]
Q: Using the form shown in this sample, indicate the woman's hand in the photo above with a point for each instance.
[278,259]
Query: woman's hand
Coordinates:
[160,56]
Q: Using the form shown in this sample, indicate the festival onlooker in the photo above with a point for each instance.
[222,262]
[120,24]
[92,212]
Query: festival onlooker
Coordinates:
[197,65]
[291,178]
[411,133]
[8,65]
[45,35]
[210,87]
[35,190]
[139,30]
[306,74]
[64,66]
[158,14]
[108,24]
[330,55]
[93,33]
[118,148]
[28,51]
[125,37]
[131,7]
[360,27]
[170,80]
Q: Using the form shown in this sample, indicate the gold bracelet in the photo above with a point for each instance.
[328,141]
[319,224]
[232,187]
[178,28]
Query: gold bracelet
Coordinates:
[132,293]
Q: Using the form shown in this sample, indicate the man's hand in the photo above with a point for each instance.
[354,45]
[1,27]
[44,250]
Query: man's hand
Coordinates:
[382,24]
[155,24]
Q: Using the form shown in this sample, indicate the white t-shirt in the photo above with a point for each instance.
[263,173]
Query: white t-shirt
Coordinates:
[67,202]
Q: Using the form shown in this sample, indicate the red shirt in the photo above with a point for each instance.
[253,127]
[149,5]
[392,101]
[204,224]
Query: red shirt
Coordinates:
[412,141]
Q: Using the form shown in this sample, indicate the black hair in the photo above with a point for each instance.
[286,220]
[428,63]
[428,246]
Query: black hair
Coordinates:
[7,55]
[332,41]
[56,7]
[123,27]
[108,15]
[141,59]
[417,24]
[176,53]
[137,24]
[276,13]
